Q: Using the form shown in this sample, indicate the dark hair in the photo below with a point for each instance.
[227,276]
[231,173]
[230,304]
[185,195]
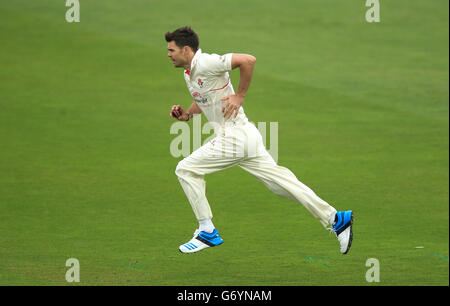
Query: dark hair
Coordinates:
[184,36]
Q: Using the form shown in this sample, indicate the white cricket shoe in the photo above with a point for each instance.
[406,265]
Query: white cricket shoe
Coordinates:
[342,226]
[200,241]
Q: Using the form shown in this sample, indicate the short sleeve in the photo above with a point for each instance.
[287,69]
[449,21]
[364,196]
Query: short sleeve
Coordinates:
[216,64]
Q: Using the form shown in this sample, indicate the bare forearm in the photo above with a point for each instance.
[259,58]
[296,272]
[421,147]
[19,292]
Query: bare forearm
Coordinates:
[246,73]
[246,64]
[194,109]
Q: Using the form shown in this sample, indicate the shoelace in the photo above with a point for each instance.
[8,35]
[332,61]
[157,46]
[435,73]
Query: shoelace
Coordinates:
[197,231]
[331,230]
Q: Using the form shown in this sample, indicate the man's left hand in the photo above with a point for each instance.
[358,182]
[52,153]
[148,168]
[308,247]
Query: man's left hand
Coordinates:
[234,102]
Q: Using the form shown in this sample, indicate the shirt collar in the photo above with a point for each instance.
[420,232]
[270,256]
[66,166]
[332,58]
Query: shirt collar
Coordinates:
[194,61]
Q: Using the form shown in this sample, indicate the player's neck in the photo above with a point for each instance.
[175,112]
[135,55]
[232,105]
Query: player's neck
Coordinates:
[190,56]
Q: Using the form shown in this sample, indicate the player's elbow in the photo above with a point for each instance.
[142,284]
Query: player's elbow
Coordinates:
[242,60]
[251,59]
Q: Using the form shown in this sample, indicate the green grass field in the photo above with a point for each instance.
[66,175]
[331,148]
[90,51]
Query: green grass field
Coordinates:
[86,172]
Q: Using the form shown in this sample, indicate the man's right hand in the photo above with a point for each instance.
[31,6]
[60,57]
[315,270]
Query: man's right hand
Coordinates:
[179,113]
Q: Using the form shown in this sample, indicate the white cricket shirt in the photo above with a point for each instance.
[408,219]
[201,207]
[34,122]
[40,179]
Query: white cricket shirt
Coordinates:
[208,81]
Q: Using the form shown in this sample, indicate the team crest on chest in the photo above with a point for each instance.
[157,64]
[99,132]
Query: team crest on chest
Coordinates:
[200,82]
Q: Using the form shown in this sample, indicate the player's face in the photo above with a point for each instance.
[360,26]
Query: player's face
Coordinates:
[176,54]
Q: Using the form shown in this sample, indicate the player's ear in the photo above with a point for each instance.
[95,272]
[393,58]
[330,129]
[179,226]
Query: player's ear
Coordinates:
[187,50]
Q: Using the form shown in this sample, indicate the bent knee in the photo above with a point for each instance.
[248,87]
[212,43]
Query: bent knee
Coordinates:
[185,170]
[180,168]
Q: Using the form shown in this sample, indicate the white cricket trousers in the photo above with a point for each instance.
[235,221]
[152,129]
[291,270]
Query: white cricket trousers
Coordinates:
[242,145]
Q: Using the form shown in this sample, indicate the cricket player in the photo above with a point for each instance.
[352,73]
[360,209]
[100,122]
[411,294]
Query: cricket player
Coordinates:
[236,142]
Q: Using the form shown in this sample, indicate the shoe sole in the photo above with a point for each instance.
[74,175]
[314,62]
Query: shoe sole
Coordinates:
[351,235]
[208,247]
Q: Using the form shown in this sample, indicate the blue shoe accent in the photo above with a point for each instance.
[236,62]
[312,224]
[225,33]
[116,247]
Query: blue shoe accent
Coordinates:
[188,246]
[212,239]
[343,220]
